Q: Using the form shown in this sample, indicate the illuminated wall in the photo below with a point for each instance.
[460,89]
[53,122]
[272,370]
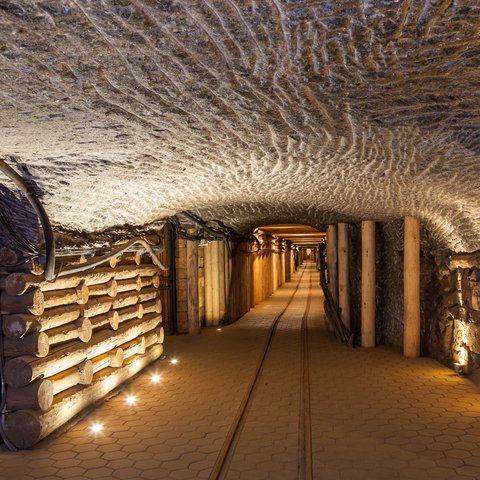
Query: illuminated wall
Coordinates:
[70,342]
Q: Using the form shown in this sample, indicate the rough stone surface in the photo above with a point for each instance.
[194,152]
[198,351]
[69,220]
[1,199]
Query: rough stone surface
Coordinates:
[250,112]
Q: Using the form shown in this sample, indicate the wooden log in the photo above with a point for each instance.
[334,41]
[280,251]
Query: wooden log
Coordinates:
[222,299]
[125,300]
[112,359]
[153,281]
[127,313]
[130,284]
[368,284]
[19,283]
[81,374]
[66,260]
[81,329]
[56,298]
[192,285]
[134,347]
[147,294]
[97,306]
[344,274]
[111,319]
[34,344]
[22,370]
[161,335]
[215,283]
[257,278]
[207,260]
[129,258]
[152,306]
[32,301]
[151,338]
[464,260]
[130,271]
[19,325]
[411,285]
[332,261]
[24,428]
[109,288]
[37,396]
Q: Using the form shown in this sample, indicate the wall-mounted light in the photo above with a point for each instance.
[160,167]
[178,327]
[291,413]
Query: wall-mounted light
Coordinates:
[462,366]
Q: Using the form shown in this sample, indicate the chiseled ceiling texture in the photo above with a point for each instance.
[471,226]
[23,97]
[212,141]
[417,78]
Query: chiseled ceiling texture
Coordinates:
[246,111]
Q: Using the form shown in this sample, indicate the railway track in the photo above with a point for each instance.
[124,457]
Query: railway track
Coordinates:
[304,458]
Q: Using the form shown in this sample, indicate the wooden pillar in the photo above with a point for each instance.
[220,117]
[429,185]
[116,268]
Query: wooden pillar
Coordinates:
[215,283]
[207,261]
[221,280]
[368,284]
[253,266]
[332,261]
[343,274]
[192,285]
[411,288]
[288,261]
[274,268]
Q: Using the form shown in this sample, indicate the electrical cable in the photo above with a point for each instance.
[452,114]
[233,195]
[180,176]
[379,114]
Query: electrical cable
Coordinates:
[42,215]
[96,261]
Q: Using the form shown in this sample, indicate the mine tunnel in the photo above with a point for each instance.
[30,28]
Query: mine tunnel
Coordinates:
[239,239]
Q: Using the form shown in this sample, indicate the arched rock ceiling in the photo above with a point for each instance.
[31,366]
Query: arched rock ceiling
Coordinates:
[251,112]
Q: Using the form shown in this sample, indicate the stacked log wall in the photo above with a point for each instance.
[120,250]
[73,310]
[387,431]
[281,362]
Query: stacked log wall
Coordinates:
[69,342]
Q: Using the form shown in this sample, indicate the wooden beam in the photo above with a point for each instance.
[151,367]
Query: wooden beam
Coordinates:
[332,261]
[221,280]
[411,285]
[207,261]
[215,283]
[344,274]
[192,285]
[368,284]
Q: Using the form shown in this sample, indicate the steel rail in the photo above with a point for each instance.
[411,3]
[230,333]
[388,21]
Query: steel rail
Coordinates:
[220,468]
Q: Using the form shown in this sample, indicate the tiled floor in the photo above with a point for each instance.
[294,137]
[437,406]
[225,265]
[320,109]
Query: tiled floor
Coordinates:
[375,414]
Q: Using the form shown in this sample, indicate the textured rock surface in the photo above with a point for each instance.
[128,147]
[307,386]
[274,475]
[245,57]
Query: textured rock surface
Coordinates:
[251,112]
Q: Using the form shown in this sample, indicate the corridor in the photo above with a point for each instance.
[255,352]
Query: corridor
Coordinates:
[374,414]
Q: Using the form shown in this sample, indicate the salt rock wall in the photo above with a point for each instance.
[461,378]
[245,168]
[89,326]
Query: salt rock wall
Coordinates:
[460,311]
[389,265]
[68,343]
[248,112]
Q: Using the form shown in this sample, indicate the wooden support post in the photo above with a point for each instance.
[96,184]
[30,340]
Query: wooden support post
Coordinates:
[253,281]
[288,260]
[343,274]
[332,261]
[192,285]
[274,256]
[207,261]
[221,280]
[368,283]
[257,278]
[215,284]
[411,288]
